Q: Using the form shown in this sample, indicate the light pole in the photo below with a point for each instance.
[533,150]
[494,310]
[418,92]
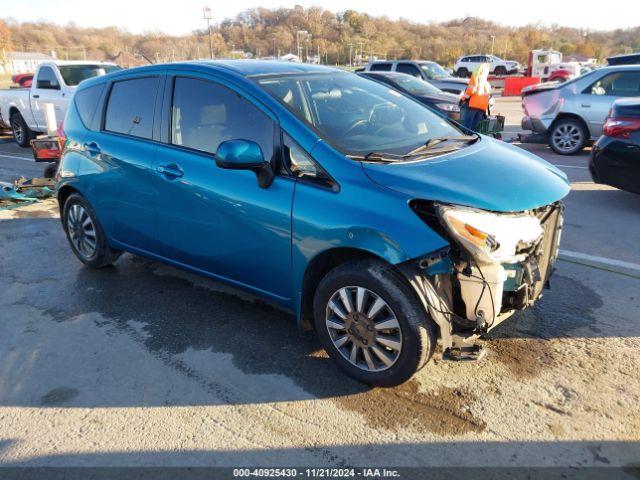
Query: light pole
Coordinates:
[206,13]
[493,38]
[298,33]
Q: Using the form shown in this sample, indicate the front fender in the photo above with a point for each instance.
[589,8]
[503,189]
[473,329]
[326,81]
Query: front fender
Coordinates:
[362,217]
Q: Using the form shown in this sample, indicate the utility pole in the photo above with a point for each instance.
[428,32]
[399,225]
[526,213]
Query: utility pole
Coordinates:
[350,51]
[206,13]
[493,38]
[298,49]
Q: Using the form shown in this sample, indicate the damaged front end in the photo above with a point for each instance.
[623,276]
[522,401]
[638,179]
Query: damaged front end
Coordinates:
[496,263]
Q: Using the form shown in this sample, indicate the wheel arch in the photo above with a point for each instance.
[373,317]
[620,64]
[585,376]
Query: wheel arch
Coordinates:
[63,193]
[570,116]
[316,269]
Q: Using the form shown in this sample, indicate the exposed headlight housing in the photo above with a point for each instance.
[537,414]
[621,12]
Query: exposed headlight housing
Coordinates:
[491,238]
[448,107]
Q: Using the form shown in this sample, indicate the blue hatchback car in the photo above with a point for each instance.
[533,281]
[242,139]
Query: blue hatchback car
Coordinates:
[382,225]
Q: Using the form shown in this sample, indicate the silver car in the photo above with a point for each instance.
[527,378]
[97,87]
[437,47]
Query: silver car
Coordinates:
[573,113]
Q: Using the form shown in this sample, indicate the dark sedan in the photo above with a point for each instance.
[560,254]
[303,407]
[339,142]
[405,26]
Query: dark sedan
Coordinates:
[424,92]
[615,159]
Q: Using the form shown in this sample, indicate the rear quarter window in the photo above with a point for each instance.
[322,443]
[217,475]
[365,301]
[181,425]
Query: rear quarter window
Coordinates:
[131,107]
[380,67]
[86,102]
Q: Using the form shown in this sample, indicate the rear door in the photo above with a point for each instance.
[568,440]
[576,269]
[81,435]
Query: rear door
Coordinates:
[217,220]
[122,151]
[595,101]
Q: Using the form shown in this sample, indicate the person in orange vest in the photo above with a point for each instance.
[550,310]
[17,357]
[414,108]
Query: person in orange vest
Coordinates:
[476,97]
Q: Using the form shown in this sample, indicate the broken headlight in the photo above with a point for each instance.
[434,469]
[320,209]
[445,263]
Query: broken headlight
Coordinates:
[491,237]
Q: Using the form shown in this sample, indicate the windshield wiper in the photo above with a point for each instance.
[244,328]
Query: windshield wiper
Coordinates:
[378,157]
[432,142]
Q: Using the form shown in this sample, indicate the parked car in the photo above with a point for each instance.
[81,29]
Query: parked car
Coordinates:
[615,158]
[429,71]
[465,66]
[424,92]
[377,221]
[22,109]
[573,113]
[624,59]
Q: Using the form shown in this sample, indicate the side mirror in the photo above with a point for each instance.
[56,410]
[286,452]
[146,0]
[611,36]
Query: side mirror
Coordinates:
[245,155]
[46,84]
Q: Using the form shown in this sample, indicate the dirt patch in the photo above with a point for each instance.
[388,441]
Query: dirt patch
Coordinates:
[32,213]
[524,357]
[445,411]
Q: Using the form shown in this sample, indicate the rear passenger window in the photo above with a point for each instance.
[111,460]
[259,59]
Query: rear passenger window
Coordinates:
[619,84]
[205,114]
[380,67]
[131,106]
[86,101]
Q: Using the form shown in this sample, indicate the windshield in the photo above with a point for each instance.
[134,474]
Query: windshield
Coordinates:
[415,86]
[74,74]
[357,116]
[433,70]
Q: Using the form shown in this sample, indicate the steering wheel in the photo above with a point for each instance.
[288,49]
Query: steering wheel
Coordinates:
[358,123]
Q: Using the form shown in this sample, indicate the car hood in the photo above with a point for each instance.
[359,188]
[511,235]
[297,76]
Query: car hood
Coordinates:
[443,97]
[461,81]
[489,175]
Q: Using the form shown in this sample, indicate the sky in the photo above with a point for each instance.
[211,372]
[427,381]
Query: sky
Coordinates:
[183,16]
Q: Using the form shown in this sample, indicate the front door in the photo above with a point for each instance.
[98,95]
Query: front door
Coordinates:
[216,220]
[47,89]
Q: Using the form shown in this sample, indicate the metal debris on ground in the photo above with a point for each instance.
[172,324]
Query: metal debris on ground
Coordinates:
[24,192]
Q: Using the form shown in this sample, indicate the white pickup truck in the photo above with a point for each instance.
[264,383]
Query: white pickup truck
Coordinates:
[22,109]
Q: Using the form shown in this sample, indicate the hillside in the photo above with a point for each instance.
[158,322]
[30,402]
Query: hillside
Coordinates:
[336,36]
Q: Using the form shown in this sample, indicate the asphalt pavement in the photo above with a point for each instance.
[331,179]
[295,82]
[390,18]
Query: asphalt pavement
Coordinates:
[144,364]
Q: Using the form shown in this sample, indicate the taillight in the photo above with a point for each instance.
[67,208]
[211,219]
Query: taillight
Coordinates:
[620,127]
[62,137]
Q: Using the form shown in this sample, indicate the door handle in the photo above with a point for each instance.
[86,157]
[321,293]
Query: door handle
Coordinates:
[36,96]
[171,171]
[92,148]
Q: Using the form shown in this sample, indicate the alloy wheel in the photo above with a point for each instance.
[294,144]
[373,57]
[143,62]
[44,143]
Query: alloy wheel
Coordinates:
[363,328]
[567,137]
[82,231]
[18,131]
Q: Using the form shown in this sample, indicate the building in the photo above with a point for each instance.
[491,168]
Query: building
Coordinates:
[22,62]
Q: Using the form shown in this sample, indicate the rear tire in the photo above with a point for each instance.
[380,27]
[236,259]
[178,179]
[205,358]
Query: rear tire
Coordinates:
[462,72]
[391,344]
[568,136]
[50,170]
[85,234]
[21,131]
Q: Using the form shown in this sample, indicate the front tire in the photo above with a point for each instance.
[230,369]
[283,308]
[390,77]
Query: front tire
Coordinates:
[372,324]
[21,131]
[500,70]
[85,234]
[567,136]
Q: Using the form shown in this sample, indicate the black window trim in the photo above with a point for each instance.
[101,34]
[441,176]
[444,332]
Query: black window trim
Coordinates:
[159,95]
